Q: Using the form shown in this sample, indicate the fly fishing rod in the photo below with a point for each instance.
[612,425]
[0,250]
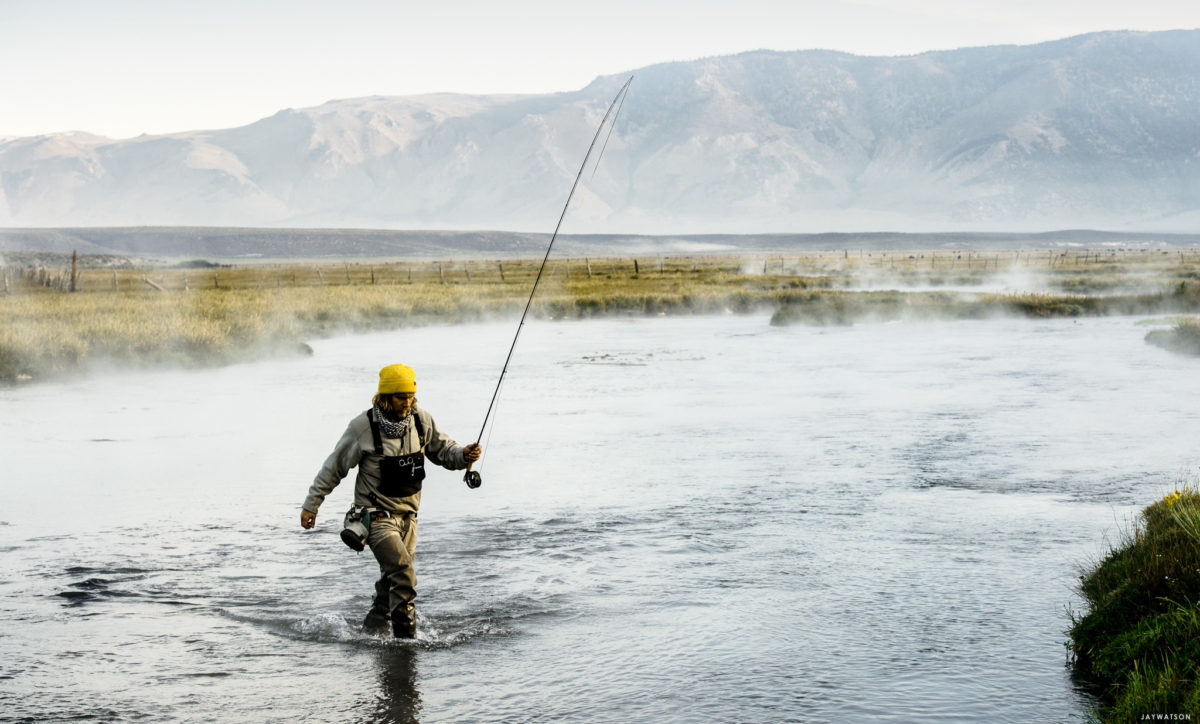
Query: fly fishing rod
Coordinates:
[472,477]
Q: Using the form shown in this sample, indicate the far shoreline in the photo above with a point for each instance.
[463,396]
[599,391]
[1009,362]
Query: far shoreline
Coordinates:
[202,313]
[236,245]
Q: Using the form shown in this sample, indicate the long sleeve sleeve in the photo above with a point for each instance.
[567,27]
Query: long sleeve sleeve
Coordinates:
[345,455]
[441,449]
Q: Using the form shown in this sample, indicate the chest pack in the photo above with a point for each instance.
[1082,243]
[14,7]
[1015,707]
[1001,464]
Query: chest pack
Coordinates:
[400,475]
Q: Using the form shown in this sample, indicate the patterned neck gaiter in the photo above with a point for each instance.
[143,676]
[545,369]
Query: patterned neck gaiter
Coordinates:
[390,428]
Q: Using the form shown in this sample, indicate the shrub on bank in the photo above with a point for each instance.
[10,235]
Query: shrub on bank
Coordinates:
[1139,641]
[1183,338]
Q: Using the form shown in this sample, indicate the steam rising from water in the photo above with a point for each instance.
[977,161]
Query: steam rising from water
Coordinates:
[1016,280]
[680,519]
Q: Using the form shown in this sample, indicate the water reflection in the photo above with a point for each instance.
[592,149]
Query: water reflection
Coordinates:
[1092,693]
[399,700]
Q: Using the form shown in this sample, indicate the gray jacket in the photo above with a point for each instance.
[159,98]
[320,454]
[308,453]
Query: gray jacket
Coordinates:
[357,447]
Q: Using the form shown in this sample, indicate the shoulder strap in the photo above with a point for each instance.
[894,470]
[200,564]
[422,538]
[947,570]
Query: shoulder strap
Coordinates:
[375,431]
[420,428]
[379,440]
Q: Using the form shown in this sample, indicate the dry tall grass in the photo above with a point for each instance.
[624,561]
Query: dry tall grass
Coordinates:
[218,315]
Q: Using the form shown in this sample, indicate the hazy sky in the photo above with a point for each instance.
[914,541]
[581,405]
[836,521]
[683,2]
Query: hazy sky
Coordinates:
[123,67]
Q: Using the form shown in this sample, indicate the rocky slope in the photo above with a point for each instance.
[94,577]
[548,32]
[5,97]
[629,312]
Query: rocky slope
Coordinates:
[1096,131]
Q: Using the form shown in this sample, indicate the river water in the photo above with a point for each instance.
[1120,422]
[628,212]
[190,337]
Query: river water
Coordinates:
[682,519]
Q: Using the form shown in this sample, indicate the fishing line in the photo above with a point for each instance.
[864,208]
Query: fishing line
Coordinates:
[611,126]
[472,477]
[487,445]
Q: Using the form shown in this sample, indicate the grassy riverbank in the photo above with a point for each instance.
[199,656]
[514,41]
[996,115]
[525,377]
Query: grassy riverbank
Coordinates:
[1139,641]
[203,314]
[1183,338]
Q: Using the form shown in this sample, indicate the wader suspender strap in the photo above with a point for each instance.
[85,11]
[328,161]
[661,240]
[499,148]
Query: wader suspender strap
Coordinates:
[415,459]
[375,432]
[378,447]
[379,441]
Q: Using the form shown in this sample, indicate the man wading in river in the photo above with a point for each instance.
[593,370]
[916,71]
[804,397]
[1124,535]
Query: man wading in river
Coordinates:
[389,443]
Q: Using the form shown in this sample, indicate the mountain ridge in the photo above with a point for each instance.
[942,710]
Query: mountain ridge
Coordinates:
[250,244]
[1091,131]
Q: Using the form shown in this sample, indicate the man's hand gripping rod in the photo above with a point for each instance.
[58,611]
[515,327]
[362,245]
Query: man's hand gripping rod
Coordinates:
[472,477]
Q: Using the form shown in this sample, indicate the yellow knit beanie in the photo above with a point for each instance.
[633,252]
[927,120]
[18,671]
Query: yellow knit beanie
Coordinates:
[397,378]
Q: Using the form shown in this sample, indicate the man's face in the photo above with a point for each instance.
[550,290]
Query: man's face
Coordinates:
[402,402]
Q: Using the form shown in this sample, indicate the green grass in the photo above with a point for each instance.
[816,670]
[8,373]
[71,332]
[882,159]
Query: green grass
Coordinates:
[1139,641]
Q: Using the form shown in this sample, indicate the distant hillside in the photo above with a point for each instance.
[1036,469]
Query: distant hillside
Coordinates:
[233,244]
[1095,131]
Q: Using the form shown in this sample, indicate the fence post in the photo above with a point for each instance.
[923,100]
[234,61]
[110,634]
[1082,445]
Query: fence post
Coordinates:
[501,265]
[635,266]
[588,263]
[74,269]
